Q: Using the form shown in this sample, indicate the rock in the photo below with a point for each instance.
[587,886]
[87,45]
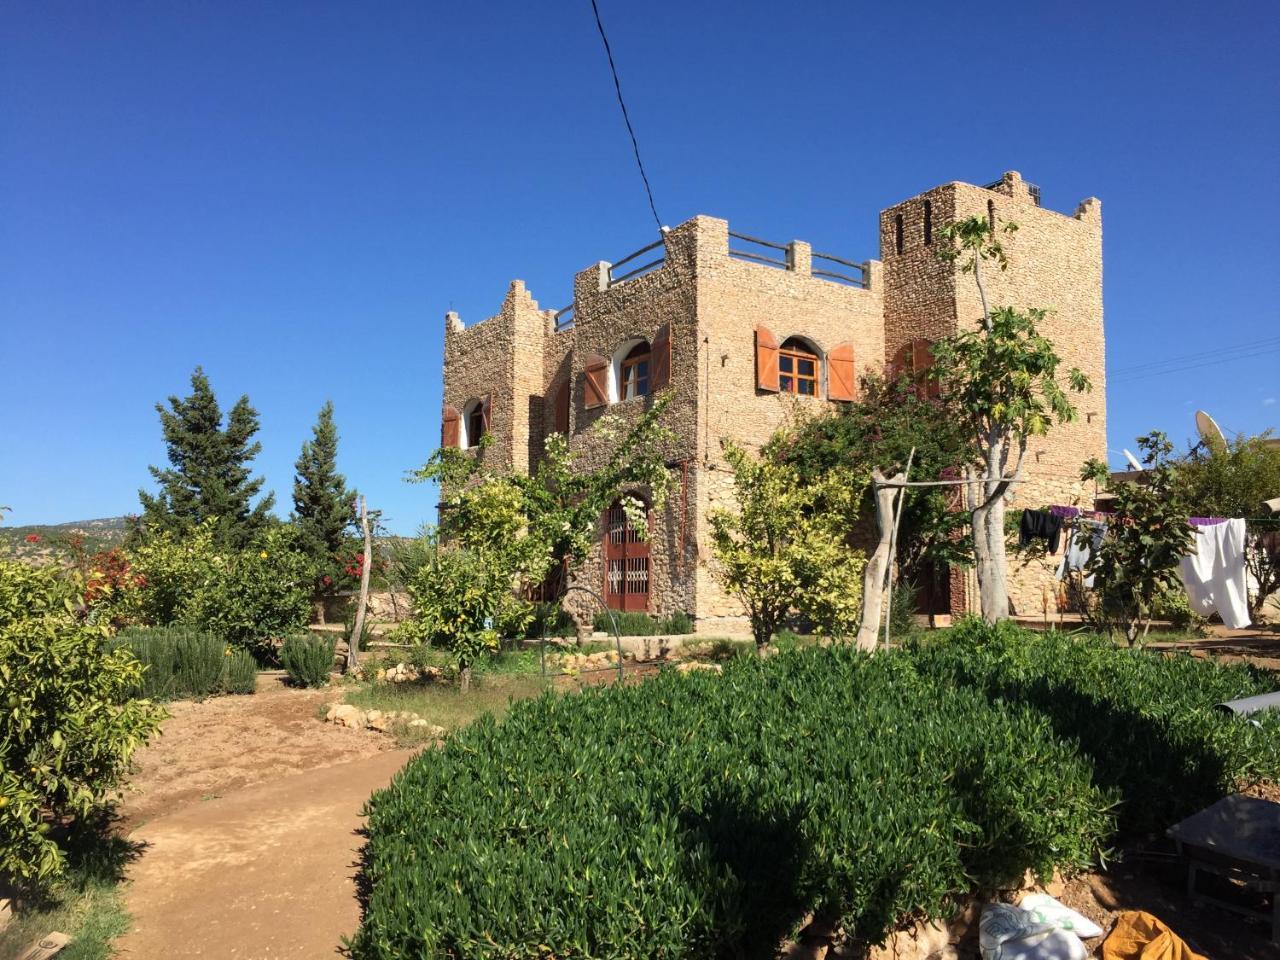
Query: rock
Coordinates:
[380,723]
[347,715]
[921,941]
[690,666]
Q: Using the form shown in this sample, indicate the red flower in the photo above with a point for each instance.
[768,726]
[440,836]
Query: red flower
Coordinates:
[33,538]
[327,580]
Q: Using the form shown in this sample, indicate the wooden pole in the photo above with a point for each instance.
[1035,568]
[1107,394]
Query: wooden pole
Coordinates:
[357,631]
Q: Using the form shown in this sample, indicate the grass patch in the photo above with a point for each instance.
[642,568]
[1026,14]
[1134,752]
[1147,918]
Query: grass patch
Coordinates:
[444,704]
[86,904]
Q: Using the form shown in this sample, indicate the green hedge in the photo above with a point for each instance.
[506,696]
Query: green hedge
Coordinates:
[704,815]
[308,659]
[632,624]
[182,662]
[1144,720]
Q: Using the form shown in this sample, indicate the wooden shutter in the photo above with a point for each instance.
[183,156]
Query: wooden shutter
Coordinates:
[921,361]
[595,384]
[766,360]
[449,426]
[660,359]
[841,384]
[562,406]
[484,412]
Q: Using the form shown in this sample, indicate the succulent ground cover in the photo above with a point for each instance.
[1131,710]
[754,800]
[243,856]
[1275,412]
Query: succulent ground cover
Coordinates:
[709,814]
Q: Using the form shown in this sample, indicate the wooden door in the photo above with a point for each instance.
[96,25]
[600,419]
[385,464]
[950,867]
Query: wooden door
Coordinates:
[626,562]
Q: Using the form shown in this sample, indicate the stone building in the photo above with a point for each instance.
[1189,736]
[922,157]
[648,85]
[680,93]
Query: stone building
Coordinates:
[743,334]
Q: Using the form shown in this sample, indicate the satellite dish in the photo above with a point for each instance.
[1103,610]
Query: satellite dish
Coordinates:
[1210,433]
[1133,461]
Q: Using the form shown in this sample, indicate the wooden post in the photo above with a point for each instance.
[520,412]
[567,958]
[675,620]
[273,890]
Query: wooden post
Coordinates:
[357,631]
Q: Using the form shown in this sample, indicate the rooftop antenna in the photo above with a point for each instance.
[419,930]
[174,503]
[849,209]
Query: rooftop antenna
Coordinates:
[1210,433]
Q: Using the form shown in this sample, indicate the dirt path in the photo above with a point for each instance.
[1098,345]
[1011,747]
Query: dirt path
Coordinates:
[248,810]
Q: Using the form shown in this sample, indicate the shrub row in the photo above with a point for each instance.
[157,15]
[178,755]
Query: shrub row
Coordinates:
[632,624]
[308,659]
[183,662]
[1144,720]
[706,815]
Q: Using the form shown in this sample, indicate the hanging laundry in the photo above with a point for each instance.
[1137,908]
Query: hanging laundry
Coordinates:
[1040,525]
[1206,521]
[1215,575]
[1066,513]
[1082,543]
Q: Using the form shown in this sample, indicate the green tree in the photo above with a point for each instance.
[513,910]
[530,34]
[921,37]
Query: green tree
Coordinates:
[507,531]
[68,720]
[208,477]
[881,428]
[323,509]
[1147,537]
[1002,379]
[784,548]
[1233,480]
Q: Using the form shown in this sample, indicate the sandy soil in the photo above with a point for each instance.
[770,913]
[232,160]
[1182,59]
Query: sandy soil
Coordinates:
[209,749]
[247,811]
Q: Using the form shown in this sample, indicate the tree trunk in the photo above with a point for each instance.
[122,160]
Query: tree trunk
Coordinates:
[464,678]
[357,629]
[993,563]
[873,576]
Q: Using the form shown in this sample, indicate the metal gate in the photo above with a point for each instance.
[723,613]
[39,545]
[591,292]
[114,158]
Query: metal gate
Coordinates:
[626,562]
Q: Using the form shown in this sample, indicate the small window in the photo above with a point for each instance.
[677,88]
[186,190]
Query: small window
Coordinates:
[633,380]
[897,233]
[928,222]
[798,368]
[475,422]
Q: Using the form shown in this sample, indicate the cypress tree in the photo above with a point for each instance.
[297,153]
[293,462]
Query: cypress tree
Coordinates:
[322,504]
[208,476]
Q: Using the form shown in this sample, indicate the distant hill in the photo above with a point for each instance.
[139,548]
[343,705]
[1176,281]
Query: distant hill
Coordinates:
[50,542]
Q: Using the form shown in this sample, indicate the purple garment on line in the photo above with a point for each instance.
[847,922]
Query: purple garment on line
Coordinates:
[1206,521]
[1065,512]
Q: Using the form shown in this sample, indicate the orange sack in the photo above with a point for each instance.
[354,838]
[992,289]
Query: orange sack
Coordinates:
[1140,936]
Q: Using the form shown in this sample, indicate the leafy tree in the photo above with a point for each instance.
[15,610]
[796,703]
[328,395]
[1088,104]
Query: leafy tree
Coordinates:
[322,505]
[881,428]
[507,531]
[1233,480]
[68,720]
[208,477]
[1147,537]
[1002,380]
[785,549]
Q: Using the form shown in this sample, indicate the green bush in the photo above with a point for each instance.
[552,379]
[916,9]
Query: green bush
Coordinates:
[308,659]
[180,662]
[241,675]
[69,721]
[1145,721]
[633,624]
[259,596]
[707,815]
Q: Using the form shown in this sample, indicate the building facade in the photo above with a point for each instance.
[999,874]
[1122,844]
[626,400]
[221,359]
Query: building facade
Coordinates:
[744,335]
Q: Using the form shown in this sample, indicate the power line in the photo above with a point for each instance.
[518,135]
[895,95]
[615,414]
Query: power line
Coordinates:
[1235,357]
[1200,358]
[635,146]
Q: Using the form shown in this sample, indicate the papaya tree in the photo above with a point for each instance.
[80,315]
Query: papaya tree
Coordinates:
[1002,379]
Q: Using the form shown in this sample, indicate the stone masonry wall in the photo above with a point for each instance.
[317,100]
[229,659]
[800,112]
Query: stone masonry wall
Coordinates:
[714,301]
[1055,262]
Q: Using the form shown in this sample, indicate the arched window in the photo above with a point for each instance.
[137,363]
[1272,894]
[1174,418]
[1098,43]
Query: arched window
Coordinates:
[633,379]
[799,369]
[475,422]
[629,371]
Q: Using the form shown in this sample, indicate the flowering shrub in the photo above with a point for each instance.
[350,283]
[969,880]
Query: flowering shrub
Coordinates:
[110,576]
[68,720]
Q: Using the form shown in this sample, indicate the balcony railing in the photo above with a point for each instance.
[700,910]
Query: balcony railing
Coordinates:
[841,271]
[649,266]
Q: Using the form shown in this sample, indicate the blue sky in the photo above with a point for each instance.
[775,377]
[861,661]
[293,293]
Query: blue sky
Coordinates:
[293,194]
